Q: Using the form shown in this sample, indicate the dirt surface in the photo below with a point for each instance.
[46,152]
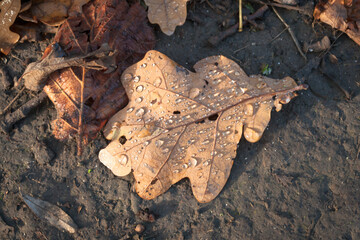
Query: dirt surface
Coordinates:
[300,181]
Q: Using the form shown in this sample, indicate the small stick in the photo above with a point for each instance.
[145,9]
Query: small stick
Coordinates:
[12,101]
[22,112]
[291,33]
[240,17]
[214,40]
[80,125]
[305,11]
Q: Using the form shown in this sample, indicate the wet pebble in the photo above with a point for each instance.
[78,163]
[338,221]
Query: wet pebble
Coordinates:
[139,228]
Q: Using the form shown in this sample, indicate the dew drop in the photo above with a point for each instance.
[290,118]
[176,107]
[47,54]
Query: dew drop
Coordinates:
[194,92]
[143,65]
[185,166]
[123,159]
[128,77]
[159,143]
[206,163]
[165,150]
[140,112]
[206,141]
[193,161]
[140,88]
[237,73]
[130,110]
[137,79]
[157,82]
[179,100]
[146,143]
[176,171]
[139,100]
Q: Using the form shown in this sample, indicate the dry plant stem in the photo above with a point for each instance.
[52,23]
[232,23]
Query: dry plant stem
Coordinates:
[299,9]
[80,126]
[214,40]
[240,17]
[291,33]
[12,101]
[22,112]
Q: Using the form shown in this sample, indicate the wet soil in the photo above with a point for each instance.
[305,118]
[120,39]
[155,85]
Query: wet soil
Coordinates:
[300,181]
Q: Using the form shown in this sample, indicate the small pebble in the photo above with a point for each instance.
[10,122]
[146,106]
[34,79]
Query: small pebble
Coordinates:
[139,228]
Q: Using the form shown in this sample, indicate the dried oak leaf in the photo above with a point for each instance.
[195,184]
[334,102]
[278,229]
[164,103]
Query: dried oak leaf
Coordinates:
[342,15]
[168,14]
[83,107]
[179,124]
[9,10]
[53,12]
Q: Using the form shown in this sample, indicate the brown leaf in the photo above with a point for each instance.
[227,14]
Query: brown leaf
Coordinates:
[51,213]
[342,15]
[53,12]
[85,100]
[9,10]
[180,124]
[168,14]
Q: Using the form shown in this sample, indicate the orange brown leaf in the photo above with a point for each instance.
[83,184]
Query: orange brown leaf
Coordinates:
[342,15]
[85,99]
[168,14]
[179,124]
[9,10]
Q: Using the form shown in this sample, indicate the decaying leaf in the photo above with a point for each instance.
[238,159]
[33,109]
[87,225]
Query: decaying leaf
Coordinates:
[53,12]
[84,100]
[342,15]
[36,73]
[50,213]
[167,13]
[318,46]
[9,10]
[179,124]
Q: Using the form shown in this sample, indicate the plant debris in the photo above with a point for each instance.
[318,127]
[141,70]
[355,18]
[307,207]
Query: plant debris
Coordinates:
[50,213]
[319,46]
[179,124]
[8,13]
[342,15]
[168,14]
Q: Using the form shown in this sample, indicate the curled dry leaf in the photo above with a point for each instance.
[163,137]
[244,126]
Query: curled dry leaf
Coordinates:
[9,10]
[50,213]
[86,99]
[179,124]
[168,14]
[53,12]
[342,15]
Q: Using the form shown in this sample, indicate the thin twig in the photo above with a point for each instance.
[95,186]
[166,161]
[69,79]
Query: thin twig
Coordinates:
[302,10]
[12,101]
[240,17]
[278,35]
[291,33]
[80,124]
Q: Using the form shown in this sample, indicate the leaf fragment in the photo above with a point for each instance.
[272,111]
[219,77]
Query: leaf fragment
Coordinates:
[179,124]
[167,13]
[50,213]
[9,10]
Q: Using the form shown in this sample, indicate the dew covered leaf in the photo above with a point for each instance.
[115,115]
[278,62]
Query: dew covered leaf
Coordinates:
[342,15]
[168,14]
[179,124]
[9,10]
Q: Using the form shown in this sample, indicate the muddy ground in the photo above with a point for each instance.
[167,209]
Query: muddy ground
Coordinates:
[300,181]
